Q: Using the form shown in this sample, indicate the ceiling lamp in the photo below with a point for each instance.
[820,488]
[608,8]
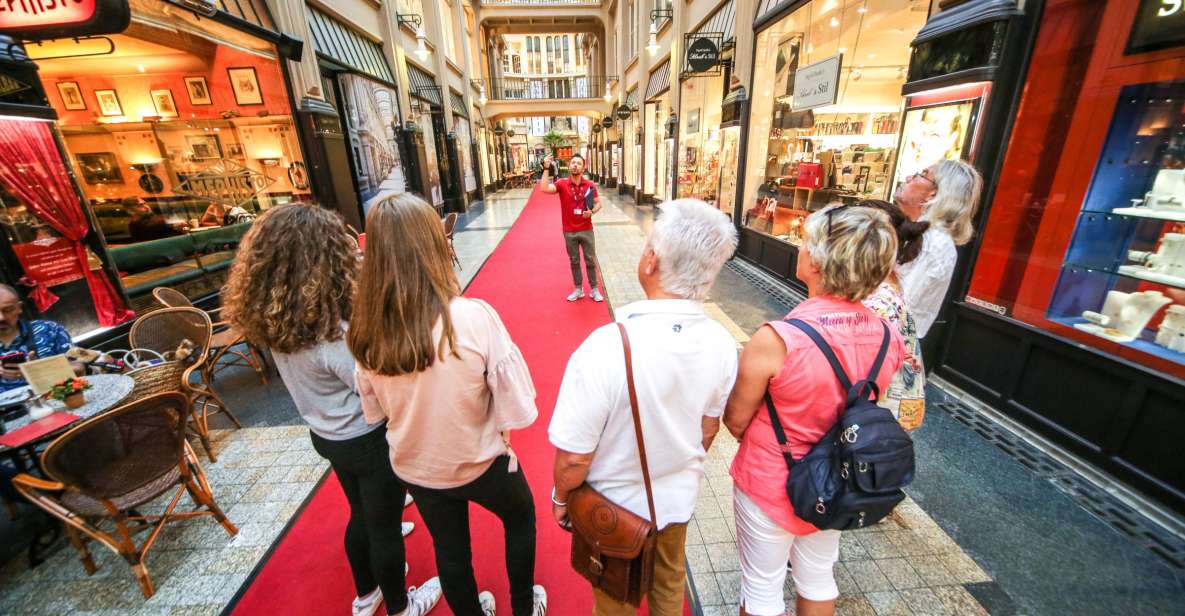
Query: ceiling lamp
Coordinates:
[421,51]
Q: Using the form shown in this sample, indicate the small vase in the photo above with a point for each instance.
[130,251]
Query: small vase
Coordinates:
[74,401]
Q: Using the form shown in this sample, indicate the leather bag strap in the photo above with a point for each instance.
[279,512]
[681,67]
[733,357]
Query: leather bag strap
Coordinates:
[629,381]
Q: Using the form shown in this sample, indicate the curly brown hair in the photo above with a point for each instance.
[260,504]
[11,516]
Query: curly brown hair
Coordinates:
[292,284]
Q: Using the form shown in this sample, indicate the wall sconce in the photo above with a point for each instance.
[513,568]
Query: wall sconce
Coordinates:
[421,51]
[608,91]
[481,96]
[652,46]
[411,20]
[655,16]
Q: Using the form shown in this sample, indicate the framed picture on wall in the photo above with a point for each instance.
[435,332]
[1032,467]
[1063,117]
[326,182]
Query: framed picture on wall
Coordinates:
[245,84]
[204,147]
[163,101]
[99,168]
[234,150]
[108,102]
[71,96]
[198,90]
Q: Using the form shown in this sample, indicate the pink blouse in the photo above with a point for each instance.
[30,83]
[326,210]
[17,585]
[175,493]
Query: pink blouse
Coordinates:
[808,398]
[444,423]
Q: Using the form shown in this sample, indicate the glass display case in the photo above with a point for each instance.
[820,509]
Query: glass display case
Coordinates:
[1123,277]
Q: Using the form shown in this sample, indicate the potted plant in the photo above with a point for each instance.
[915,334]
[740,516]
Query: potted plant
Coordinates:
[70,391]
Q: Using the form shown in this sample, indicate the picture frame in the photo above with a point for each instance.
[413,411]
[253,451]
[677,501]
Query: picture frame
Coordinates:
[198,91]
[244,82]
[108,101]
[162,101]
[71,96]
[235,150]
[204,147]
[99,168]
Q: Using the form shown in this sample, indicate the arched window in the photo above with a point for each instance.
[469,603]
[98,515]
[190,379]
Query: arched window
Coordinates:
[566,57]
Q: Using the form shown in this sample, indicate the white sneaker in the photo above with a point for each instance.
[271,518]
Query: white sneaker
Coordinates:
[421,600]
[596,295]
[407,500]
[408,527]
[575,295]
[365,606]
[486,598]
[540,602]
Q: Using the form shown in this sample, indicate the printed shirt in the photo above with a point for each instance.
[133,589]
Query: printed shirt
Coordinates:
[808,397]
[592,412]
[572,203]
[47,338]
[906,394]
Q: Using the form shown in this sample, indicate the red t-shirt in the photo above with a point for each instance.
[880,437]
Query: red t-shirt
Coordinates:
[572,203]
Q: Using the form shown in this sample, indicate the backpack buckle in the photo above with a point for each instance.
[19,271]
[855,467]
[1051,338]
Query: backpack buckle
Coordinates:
[850,434]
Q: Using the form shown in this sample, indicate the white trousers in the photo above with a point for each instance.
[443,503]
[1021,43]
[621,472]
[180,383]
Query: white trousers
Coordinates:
[765,547]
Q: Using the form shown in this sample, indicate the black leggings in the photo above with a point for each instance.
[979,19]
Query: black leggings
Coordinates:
[374,535]
[446,513]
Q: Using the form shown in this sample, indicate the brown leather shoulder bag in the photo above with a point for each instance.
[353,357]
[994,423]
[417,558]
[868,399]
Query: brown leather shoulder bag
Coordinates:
[612,547]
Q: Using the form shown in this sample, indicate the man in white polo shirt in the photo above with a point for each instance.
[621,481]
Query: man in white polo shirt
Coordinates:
[684,367]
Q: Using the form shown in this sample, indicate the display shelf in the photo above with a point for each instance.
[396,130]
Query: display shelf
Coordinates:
[1143,212]
[1134,271]
[1140,343]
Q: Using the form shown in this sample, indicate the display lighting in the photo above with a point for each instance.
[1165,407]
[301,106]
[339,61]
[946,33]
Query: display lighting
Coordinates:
[421,50]
[834,23]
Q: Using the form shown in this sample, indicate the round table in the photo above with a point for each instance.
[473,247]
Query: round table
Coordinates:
[107,391]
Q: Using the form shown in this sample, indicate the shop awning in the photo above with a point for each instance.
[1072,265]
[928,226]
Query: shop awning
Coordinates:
[341,44]
[423,85]
[769,8]
[631,99]
[660,80]
[250,16]
[458,103]
[722,21]
[965,16]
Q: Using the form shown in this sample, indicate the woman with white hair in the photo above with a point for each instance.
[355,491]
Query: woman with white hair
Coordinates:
[946,195]
[846,254]
[684,364]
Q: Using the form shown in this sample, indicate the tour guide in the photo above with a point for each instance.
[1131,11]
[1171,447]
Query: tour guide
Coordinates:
[576,195]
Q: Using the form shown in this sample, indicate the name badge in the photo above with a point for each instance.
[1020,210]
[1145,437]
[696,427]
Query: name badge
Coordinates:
[578,212]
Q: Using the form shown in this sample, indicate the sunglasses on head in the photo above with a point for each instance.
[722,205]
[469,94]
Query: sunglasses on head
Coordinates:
[831,212]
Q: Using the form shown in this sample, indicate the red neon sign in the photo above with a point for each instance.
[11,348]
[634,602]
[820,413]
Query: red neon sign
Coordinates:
[40,19]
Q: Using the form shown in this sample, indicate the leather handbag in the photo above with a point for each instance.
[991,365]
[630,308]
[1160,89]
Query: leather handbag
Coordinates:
[612,547]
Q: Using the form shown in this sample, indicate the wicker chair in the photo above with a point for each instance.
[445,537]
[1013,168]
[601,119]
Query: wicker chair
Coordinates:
[106,467]
[164,331]
[450,226]
[222,343]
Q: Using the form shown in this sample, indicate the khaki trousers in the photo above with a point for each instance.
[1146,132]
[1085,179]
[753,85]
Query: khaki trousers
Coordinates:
[666,596]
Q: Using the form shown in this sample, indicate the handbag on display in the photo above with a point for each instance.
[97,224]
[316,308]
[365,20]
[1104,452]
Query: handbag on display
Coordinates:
[810,175]
[612,547]
[853,477]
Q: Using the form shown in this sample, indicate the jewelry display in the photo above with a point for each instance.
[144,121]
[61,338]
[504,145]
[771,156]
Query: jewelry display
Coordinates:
[1171,334]
[1166,265]
[1168,192]
[1124,315]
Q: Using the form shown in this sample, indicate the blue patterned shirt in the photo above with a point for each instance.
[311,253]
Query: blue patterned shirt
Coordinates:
[47,338]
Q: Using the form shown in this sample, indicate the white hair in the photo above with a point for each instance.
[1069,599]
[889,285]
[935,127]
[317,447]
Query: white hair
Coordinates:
[692,240]
[958,188]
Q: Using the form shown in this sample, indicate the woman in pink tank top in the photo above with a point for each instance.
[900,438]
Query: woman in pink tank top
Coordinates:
[846,254]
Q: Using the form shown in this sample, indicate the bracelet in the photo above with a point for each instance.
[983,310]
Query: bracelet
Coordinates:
[556,502]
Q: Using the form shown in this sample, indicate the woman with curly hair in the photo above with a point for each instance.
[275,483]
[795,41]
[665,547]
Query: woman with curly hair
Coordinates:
[291,290]
[444,373]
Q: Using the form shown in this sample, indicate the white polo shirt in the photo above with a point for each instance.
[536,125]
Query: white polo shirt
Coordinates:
[684,368]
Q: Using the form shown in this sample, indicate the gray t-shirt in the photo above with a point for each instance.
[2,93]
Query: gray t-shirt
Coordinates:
[321,382]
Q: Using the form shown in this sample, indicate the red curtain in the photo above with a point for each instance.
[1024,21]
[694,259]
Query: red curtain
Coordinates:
[31,168]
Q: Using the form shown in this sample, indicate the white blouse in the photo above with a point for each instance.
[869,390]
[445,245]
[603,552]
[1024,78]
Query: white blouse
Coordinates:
[926,279]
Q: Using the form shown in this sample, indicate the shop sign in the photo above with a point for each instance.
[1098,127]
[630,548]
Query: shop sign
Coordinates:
[499,131]
[49,261]
[596,128]
[623,112]
[815,85]
[607,122]
[48,19]
[225,182]
[703,53]
[1159,24]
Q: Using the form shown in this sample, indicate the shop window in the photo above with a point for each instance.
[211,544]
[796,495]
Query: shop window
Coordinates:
[701,139]
[179,138]
[801,160]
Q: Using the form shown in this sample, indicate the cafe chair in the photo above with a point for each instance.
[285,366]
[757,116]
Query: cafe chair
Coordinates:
[104,470]
[168,329]
[224,341]
[450,226]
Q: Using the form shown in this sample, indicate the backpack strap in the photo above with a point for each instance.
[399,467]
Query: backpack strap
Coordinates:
[779,432]
[854,391]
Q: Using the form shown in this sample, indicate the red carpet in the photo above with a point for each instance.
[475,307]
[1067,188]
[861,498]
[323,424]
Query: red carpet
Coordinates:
[526,279]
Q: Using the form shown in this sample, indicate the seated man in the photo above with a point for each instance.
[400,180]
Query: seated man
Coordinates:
[145,224]
[22,340]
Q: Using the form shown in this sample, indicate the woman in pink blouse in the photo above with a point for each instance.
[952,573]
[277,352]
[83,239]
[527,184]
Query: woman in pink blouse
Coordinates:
[846,253]
[443,372]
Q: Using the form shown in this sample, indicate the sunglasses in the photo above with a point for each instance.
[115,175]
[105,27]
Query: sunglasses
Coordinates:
[831,212]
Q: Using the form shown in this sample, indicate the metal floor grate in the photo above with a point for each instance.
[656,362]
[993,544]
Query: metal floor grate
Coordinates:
[765,283]
[1106,507]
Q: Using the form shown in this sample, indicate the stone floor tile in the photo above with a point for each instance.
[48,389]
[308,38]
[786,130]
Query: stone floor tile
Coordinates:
[923,601]
[844,580]
[715,530]
[900,573]
[707,587]
[729,583]
[236,561]
[853,605]
[212,609]
[693,535]
[850,548]
[868,577]
[724,557]
[932,570]
[963,568]
[706,507]
[957,600]
[879,545]
[889,603]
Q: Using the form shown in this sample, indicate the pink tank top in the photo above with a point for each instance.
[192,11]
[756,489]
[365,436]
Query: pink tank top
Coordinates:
[807,397]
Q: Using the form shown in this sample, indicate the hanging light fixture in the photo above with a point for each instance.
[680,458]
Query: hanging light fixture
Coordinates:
[608,91]
[652,46]
[481,96]
[421,51]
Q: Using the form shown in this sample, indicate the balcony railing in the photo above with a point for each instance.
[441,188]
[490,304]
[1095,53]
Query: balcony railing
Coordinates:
[546,88]
[541,2]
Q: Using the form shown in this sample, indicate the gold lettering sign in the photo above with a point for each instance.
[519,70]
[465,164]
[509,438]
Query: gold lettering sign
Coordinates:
[226,182]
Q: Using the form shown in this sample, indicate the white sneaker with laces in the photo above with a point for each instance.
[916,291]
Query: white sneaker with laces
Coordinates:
[408,527]
[575,295]
[540,602]
[486,598]
[421,600]
[366,606]
[596,295]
